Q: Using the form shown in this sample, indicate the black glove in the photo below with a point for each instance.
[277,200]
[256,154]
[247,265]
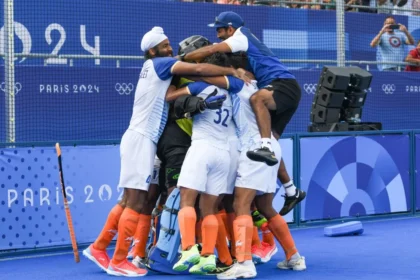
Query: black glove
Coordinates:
[214,102]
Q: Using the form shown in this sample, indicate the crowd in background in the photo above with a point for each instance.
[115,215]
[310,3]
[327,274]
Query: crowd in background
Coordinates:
[396,7]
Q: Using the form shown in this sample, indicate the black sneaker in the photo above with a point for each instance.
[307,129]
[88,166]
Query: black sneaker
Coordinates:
[291,201]
[220,268]
[263,155]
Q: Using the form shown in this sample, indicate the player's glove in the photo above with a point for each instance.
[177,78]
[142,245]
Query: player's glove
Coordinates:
[213,101]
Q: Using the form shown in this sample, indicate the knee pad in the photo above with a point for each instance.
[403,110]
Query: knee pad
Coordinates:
[165,254]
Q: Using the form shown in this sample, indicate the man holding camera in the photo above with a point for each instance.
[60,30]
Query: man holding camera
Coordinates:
[390,41]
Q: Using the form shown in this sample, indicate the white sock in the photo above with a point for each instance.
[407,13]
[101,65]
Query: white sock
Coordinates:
[295,257]
[266,143]
[290,188]
[247,263]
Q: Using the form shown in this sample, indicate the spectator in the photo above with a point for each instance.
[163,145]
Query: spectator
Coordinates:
[390,42]
[414,58]
[384,6]
[403,4]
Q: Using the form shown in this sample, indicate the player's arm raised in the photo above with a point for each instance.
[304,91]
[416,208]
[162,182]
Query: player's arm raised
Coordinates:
[200,54]
[208,70]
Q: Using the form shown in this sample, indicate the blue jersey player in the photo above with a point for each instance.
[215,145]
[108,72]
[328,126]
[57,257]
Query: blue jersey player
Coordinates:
[278,95]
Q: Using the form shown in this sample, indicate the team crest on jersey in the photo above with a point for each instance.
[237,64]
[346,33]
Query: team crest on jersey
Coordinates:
[395,41]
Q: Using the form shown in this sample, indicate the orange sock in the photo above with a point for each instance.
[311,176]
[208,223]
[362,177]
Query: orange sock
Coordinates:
[142,235]
[223,215]
[198,233]
[255,238]
[209,230]
[110,228]
[231,218]
[221,244]
[126,230]
[280,229]
[243,228]
[267,235]
[187,219]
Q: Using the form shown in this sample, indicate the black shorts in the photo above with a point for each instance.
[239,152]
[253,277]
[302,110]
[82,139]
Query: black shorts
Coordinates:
[286,95]
[171,150]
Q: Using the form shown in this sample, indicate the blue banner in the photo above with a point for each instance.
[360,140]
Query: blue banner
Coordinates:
[67,103]
[77,103]
[108,27]
[354,176]
[31,204]
[31,207]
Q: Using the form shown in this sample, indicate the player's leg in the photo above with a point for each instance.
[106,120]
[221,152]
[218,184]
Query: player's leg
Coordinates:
[137,162]
[293,196]
[280,229]
[192,180]
[209,229]
[224,256]
[218,163]
[96,252]
[262,102]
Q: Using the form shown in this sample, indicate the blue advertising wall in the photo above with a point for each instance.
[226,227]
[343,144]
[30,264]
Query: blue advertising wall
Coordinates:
[31,205]
[80,103]
[355,176]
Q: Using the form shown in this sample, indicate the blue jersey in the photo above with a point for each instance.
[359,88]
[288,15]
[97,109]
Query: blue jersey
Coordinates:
[265,65]
[150,109]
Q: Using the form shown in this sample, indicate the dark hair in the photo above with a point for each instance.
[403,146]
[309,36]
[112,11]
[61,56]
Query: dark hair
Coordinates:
[238,60]
[147,54]
[219,59]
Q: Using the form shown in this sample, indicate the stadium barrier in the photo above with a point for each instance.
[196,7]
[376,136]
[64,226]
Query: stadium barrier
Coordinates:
[346,176]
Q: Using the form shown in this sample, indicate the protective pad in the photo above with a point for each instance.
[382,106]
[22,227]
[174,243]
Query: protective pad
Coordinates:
[350,228]
[165,254]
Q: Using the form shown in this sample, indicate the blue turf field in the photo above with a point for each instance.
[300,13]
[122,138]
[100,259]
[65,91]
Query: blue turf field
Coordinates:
[388,249]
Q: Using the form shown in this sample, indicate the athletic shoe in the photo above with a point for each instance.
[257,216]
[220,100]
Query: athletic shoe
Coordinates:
[99,257]
[125,268]
[205,265]
[188,257]
[239,270]
[263,155]
[291,201]
[139,262]
[263,253]
[220,268]
[297,264]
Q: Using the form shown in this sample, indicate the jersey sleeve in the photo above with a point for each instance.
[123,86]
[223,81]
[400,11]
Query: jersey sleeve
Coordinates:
[197,87]
[163,66]
[238,42]
[235,85]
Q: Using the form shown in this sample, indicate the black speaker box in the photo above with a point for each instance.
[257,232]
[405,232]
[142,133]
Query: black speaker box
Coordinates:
[330,127]
[359,79]
[329,98]
[335,78]
[321,114]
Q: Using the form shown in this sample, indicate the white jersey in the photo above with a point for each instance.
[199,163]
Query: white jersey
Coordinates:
[243,115]
[212,125]
[150,109]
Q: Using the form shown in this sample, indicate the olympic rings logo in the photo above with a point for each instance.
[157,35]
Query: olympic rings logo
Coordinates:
[124,88]
[18,87]
[388,88]
[310,88]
